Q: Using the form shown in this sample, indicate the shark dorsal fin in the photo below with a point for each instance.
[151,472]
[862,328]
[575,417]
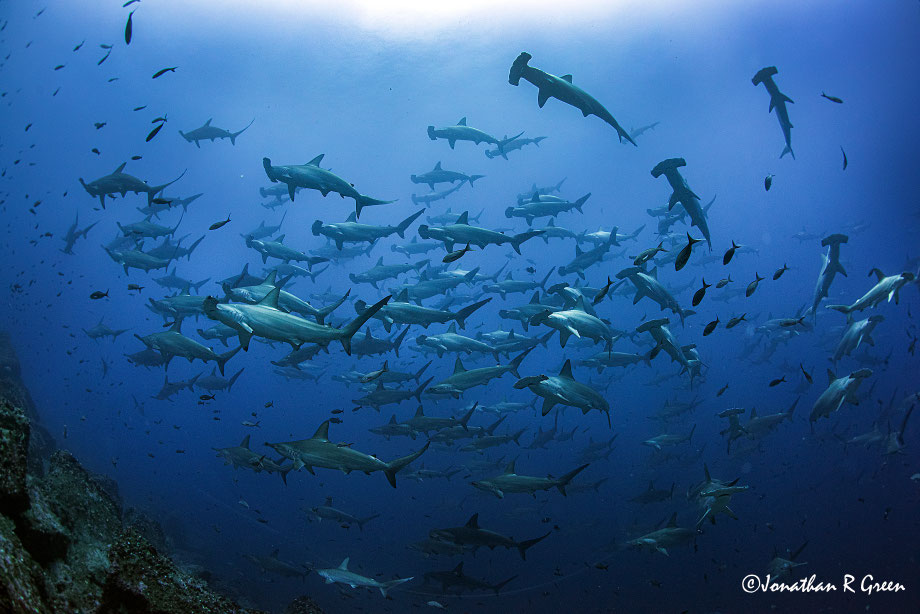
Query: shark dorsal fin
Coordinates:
[344,564]
[367,333]
[878,274]
[379,384]
[552,222]
[452,329]
[315,161]
[208,123]
[437,166]
[830,376]
[419,412]
[271,299]
[458,366]
[508,276]
[270,278]
[379,262]
[473,522]
[280,238]
[753,413]
[580,303]
[464,218]
[352,217]
[322,433]
[328,501]
[567,78]
[534,300]
[510,468]
[120,168]
[403,296]
[245,442]
[459,568]
[566,371]
[510,336]
[578,251]
[706,472]
[274,554]
[462,121]
[392,419]
[673,521]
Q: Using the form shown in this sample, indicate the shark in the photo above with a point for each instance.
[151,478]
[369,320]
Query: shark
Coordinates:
[351,231]
[173,343]
[509,285]
[415,247]
[312,177]
[510,482]
[451,341]
[286,301]
[855,333]
[578,322]
[420,423]
[382,396]
[74,232]
[562,88]
[462,132]
[166,204]
[318,451]
[207,132]
[214,383]
[512,144]
[780,567]
[431,197]
[665,340]
[147,229]
[136,259]
[839,390]
[380,272]
[662,539]
[545,206]
[100,331]
[171,280]
[462,232]
[653,495]
[683,194]
[167,250]
[119,182]
[456,581]
[273,564]
[472,536]
[439,175]
[829,268]
[562,389]
[401,311]
[327,512]
[170,389]
[394,429]
[368,345]
[647,285]
[242,457]
[463,379]
[262,231]
[277,249]
[778,101]
[887,288]
[341,575]
[667,439]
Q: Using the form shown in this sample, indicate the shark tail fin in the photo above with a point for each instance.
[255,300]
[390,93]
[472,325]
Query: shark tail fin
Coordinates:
[233,135]
[362,521]
[467,311]
[474,178]
[516,362]
[399,340]
[223,358]
[565,479]
[234,378]
[355,325]
[395,466]
[788,150]
[501,585]
[152,192]
[417,393]
[386,586]
[524,545]
[845,309]
[325,311]
[418,375]
[366,201]
[518,239]
[284,473]
[401,229]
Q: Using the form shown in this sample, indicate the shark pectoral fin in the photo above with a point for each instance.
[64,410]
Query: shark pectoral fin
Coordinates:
[542,97]
[548,405]
[662,550]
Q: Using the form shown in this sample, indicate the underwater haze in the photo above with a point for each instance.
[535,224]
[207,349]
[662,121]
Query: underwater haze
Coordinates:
[664,424]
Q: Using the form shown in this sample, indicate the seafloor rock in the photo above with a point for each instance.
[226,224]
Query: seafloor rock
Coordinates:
[21,582]
[14,449]
[303,605]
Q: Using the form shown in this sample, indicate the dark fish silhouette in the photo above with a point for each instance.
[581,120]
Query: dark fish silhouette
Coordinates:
[777,382]
[456,255]
[710,327]
[805,373]
[724,282]
[767,182]
[684,254]
[700,293]
[730,253]
[77,48]
[831,98]
[154,132]
[736,321]
[128,28]
[220,224]
[844,158]
[98,294]
[163,71]
[779,272]
[752,287]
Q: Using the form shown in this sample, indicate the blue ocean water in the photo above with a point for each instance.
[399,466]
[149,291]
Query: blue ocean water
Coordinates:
[360,84]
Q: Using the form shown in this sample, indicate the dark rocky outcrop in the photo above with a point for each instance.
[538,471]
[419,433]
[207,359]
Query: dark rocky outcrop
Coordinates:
[65,543]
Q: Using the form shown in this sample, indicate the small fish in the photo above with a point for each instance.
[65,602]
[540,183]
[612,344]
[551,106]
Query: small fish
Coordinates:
[250,423]
[77,48]
[767,182]
[369,377]
[779,272]
[113,79]
[790,322]
[135,157]
[457,254]
[207,397]
[98,294]
[135,287]
[129,3]
[337,411]
[710,327]
[730,253]
[724,282]
[777,382]
[105,45]
[154,132]
[752,287]
[648,254]
[220,224]
[684,254]
[601,566]
[722,390]
[96,151]
[603,292]
[335,420]
[700,293]
[736,321]
[844,158]
[531,270]
[243,503]
[128,28]
[831,98]
[805,373]
[435,604]
[59,67]
[163,71]
[104,58]
[158,119]
[140,108]
[56,92]
[29,125]
[269,404]
[99,125]
[161,201]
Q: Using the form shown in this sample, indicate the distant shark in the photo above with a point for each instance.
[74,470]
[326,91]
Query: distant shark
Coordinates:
[778,101]
[209,133]
[119,182]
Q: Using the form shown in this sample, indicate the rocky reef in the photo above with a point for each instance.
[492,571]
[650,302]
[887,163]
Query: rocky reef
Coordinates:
[67,544]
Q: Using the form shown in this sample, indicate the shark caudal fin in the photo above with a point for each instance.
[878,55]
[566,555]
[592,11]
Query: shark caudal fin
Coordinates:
[845,309]
[524,545]
[386,586]
[518,239]
[355,325]
[516,362]
[366,201]
[565,479]
[417,393]
[153,191]
[363,521]
[223,358]
[473,178]
[394,467]
[325,311]
[501,585]
[517,69]
[233,135]
[787,150]
[401,229]
[234,378]
[398,341]
[467,311]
